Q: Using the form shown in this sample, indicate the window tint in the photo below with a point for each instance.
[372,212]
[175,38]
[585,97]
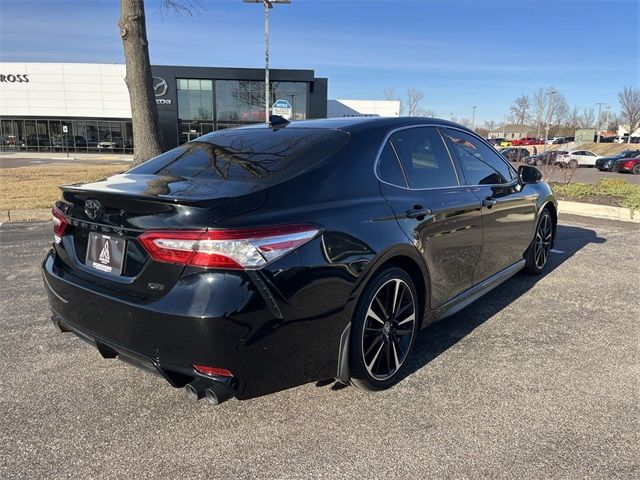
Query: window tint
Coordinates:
[482,165]
[424,158]
[389,167]
[256,155]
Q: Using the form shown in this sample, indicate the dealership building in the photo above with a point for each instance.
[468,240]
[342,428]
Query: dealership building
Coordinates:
[85,106]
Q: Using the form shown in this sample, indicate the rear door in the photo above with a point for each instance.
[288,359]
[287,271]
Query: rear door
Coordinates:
[508,208]
[440,216]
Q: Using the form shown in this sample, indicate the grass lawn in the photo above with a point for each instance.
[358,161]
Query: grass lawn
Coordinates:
[37,186]
[608,191]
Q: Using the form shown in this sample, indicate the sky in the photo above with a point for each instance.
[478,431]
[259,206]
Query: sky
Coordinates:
[460,53]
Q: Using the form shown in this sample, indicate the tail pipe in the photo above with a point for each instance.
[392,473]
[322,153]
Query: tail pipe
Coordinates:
[215,392]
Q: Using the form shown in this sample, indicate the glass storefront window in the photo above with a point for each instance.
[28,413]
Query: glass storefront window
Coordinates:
[243,101]
[295,93]
[195,99]
[81,135]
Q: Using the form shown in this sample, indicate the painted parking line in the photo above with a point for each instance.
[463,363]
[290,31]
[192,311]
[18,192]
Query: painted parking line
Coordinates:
[553,250]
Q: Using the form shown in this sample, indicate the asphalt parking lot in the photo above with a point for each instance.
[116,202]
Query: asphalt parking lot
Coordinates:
[539,379]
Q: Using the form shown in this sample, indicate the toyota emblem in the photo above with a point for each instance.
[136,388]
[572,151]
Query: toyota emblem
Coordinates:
[160,86]
[93,209]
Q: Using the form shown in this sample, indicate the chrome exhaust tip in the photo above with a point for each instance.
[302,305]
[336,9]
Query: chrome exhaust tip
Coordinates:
[217,393]
[196,389]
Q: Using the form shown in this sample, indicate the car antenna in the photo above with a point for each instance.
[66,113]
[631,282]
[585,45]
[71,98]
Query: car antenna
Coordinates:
[276,121]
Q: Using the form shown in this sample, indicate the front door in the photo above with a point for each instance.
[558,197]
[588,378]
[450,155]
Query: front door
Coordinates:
[438,215]
[508,208]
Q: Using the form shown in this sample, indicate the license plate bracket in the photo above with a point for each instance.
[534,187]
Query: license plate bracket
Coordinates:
[105,253]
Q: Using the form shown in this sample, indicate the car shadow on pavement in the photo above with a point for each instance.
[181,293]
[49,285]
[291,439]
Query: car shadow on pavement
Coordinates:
[437,338]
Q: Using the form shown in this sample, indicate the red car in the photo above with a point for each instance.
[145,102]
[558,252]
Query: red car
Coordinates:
[527,141]
[627,165]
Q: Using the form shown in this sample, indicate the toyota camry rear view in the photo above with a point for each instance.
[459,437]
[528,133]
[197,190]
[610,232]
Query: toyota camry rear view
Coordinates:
[255,259]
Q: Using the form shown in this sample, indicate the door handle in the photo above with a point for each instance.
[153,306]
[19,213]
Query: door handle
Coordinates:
[489,202]
[418,211]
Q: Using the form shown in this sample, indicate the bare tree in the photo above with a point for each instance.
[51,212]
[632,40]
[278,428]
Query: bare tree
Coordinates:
[147,138]
[573,119]
[613,121]
[414,97]
[389,93]
[540,101]
[629,99]
[520,109]
[490,125]
[587,118]
[560,109]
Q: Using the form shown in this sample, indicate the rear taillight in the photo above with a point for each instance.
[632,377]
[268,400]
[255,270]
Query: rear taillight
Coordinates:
[229,249]
[59,224]
[214,371]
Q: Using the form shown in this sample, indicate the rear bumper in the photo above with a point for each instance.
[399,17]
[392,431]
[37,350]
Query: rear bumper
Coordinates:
[214,319]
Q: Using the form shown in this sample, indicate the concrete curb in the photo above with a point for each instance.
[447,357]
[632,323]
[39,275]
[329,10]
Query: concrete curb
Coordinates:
[597,211]
[25,215]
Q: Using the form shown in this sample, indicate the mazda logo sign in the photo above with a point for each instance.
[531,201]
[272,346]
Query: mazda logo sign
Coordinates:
[160,86]
[93,209]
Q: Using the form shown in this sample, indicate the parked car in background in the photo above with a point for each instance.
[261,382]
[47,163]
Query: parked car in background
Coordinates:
[527,141]
[557,141]
[514,154]
[109,143]
[499,142]
[578,158]
[544,158]
[605,164]
[33,142]
[293,255]
[627,165]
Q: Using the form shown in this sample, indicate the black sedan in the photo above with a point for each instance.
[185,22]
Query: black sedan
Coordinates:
[259,258]
[605,164]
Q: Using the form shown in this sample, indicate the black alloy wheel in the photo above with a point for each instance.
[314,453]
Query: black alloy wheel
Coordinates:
[384,330]
[538,252]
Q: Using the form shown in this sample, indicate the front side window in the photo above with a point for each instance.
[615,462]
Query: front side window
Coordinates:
[482,165]
[425,160]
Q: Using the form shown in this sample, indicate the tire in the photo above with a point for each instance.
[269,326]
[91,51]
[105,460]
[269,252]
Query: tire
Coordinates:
[382,334]
[636,169]
[537,255]
[573,164]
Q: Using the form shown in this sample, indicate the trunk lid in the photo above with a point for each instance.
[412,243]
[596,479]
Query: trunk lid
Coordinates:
[121,207]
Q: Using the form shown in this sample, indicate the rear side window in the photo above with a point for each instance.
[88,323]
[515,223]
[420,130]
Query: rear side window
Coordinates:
[257,155]
[389,167]
[482,165]
[424,158]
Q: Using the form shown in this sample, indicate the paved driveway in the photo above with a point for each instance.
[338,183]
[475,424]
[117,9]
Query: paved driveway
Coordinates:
[540,379]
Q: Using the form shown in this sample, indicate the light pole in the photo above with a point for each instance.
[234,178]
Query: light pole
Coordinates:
[599,117]
[267,5]
[546,131]
[473,118]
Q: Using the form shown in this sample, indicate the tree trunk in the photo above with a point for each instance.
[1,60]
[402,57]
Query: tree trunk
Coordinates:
[147,141]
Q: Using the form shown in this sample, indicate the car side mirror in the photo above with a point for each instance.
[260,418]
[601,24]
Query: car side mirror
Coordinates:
[528,174]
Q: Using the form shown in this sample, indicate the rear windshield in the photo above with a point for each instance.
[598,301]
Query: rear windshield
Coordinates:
[256,155]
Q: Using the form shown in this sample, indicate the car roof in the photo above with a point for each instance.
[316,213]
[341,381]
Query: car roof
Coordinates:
[357,123]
